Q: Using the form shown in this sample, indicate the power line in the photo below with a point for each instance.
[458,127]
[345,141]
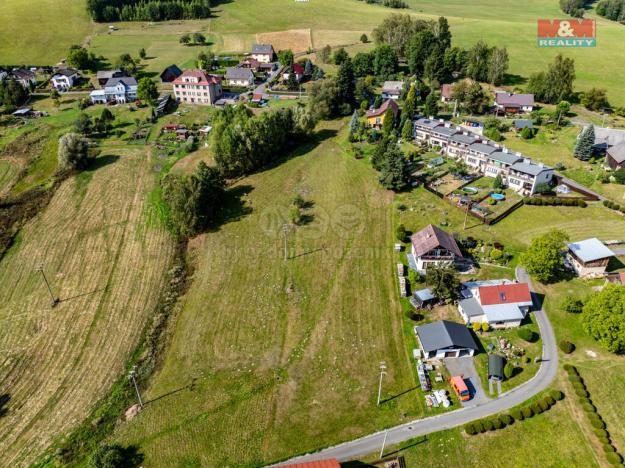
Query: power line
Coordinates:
[39,268]
[132,376]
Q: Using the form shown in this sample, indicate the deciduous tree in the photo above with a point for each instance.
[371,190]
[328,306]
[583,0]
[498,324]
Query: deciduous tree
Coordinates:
[604,317]
[544,259]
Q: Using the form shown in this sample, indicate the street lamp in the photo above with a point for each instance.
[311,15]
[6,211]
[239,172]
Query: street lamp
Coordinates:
[39,268]
[382,372]
[132,376]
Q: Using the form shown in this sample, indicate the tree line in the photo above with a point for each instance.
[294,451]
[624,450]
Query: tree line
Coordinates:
[147,10]
[612,9]
[242,142]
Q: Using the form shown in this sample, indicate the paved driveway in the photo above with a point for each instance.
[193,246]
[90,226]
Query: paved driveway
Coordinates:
[466,367]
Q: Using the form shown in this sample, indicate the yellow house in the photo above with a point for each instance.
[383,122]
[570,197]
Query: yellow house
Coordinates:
[375,117]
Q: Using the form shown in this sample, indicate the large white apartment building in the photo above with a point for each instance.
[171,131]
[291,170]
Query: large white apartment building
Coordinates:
[482,155]
[197,87]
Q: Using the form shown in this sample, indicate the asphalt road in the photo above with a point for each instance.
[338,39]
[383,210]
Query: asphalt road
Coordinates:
[372,443]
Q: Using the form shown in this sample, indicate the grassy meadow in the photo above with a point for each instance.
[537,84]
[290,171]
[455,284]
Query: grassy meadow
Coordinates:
[39,32]
[271,358]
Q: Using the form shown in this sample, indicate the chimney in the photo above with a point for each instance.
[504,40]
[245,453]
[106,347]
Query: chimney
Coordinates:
[465,133]
[505,150]
[541,165]
[447,125]
[497,146]
[518,153]
[441,120]
[477,137]
[431,117]
[527,160]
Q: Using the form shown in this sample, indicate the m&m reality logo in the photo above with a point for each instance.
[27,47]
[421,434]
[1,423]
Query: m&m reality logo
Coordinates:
[567,33]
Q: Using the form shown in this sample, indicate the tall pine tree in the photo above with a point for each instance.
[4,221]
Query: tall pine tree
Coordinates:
[585,142]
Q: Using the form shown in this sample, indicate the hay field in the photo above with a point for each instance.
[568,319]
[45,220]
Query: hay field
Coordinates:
[270,358]
[106,266]
[297,40]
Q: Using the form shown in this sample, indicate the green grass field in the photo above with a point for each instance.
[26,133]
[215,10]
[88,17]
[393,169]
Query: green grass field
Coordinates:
[284,355]
[39,32]
[519,445]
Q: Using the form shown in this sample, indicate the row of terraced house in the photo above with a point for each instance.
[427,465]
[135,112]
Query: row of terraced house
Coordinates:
[483,156]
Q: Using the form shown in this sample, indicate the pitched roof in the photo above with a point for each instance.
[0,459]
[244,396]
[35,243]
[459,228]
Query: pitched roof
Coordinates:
[609,136]
[329,463]
[66,72]
[432,237]
[430,123]
[464,139]
[262,49]
[298,69]
[126,80]
[203,77]
[383,108]
[617,153]
[495,365]
[503,313]
[444,334]
[105,74]
[482,148]
[171,72]
[447,90]
[239,73]
[530,168]
[590,249]
[506,99]
[505,157]
[471,307]
[515,293]
[392,87]
[446,131]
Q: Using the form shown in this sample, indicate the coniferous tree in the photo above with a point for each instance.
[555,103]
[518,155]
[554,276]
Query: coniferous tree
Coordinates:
[394,174]
[584,145]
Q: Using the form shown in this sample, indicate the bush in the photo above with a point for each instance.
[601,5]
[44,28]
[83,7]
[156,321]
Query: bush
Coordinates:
[543,404]
[488,425]
[601,433]
[550,400]
[470,429]
[574,378]
[578,386]
[517,414]
[536,408]
[570,369]
[527,412]
[614,458]
[479,427]
[497,424]
[557,395]
[567,347]
[588,408]
[581,392]
[507,419]
[572,306]
[508,370]
[608,448]
[400,233]
[527,335]
[597,424]
[603,440]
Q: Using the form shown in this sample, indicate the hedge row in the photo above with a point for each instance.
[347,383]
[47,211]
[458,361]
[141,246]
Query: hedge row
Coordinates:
[613,206]
[556,202]
[516,414]
[595,419]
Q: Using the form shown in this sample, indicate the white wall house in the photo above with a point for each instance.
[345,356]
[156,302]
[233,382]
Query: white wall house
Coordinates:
[589,257]
[264,53]
[119,90]
[197,87]
[64,79]
[443,339]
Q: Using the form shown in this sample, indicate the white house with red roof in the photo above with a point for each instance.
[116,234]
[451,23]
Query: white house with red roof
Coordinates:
[197,87]
[295,68]
[500,303]
[432,246]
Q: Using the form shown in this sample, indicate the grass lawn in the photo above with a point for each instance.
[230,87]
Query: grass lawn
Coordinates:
[39,32]
[272,345]
[515,446]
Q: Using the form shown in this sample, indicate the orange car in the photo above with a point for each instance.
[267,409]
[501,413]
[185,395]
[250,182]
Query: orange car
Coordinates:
[457,383]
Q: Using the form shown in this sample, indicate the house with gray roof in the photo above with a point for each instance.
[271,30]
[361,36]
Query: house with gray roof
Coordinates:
[423,128]
[392,89]
[499,161]
[445,339]
[615,157]
[459,143]
[588,257]
[477,154]
[606,138]
[511,103]
[264,53]
[239,76]
[120,90]
[525,176]
[440,135]
[104,75]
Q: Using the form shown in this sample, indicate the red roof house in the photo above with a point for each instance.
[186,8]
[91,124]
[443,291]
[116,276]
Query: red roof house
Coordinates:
[446,92]
[514,293]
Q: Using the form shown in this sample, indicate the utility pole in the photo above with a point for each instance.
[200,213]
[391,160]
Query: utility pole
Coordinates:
[466,215]
[382,372]
[132,376]
[39,268]
[383,443]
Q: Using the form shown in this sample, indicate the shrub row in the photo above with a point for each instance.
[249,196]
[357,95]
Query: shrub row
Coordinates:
[613,206]
[595,419]
[556,202]
[516,414]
